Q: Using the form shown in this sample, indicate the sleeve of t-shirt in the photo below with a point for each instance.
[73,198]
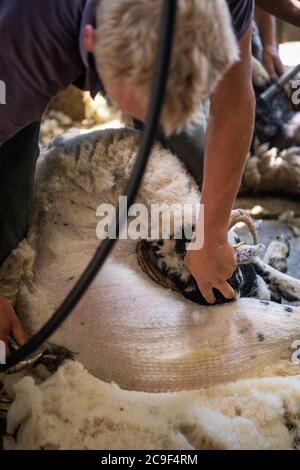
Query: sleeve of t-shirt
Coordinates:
[17,115]
[242,15]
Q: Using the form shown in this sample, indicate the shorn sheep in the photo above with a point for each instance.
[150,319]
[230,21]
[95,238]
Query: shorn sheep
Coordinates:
[130,330]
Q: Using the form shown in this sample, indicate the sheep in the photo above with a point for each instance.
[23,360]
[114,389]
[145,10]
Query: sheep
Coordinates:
[142,336]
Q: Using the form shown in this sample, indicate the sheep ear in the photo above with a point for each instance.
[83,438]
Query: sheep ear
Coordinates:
[247,253]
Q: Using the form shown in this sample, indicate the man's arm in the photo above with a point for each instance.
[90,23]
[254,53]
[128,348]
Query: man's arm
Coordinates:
[286,10]
[227,144]
[268,32]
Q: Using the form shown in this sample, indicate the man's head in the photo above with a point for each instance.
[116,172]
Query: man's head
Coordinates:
[125,45]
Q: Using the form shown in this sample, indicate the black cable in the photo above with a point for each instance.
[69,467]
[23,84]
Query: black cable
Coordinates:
[166,39]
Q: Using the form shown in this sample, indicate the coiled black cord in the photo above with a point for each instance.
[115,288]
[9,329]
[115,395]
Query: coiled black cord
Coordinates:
[167,31]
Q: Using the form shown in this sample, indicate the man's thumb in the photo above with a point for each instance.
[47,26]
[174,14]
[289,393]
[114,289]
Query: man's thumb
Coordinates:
[19,334]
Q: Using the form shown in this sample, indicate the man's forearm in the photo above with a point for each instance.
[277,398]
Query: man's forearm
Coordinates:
[286,10]
[226,148]
[267,27]
[227,144]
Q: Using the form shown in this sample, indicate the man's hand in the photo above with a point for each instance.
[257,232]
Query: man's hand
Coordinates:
[211,267]
[10,325]
[268,32]
[272,62]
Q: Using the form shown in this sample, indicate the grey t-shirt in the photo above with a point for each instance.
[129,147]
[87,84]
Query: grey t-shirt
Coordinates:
[42,52]
[241,13]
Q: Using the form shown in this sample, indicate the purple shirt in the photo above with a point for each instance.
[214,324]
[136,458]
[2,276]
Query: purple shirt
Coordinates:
[42,53]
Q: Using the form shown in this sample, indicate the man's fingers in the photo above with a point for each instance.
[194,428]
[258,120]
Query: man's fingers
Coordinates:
[274,67]
[208,294]
[279,66]
[271,69]
[226,290]
[223,287]
[18,333]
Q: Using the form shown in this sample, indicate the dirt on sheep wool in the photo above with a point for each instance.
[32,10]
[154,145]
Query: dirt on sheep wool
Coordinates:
[144,338]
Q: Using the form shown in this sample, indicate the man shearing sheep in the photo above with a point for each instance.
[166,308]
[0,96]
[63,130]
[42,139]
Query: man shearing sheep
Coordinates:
[46,46]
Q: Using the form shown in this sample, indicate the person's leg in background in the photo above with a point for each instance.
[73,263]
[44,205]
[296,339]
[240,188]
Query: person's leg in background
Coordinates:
[18,159]
[188,145]
[189,148]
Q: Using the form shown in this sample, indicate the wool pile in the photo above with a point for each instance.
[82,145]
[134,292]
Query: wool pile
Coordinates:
[272,171]
[74,410]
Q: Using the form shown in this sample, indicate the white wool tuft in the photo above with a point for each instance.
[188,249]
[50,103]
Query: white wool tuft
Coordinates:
[74,410]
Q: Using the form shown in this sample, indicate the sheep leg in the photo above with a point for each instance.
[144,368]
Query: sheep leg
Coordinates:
[275,295]
[277,254]
[289,287]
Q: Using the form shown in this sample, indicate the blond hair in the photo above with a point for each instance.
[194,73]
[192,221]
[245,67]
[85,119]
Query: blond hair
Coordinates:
[205,48]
